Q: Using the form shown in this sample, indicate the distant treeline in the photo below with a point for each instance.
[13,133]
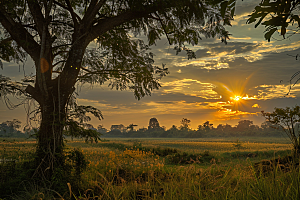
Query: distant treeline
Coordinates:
[188,133]
[243,128]
[10,129]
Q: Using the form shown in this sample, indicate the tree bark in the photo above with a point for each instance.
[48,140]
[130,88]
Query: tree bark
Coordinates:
[50,137]
[52,96]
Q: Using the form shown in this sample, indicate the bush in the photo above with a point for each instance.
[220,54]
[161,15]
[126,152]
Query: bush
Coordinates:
[18,176]
[185,158]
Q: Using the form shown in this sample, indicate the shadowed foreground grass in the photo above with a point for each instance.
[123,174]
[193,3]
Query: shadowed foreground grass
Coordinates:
[130,170]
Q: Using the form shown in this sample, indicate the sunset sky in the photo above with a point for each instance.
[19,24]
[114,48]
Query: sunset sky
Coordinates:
[225,84]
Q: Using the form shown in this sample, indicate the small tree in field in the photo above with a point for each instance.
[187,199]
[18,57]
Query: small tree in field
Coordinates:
[185,123]
[288,120]
[153,124]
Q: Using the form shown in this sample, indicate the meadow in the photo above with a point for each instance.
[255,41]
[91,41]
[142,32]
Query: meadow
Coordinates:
[120,168]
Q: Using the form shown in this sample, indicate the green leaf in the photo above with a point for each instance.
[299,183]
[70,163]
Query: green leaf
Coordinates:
[296,18]
[153,36]
[283,31]
[269,34]
[260,20]
[223,8]
[232,12]
[251,20]
[275,21]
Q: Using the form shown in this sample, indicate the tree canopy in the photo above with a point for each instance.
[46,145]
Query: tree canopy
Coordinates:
[94,41]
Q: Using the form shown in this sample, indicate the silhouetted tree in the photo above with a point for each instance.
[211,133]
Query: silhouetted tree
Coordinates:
[227,127]
[173,127]
[131,126]
[13,125]
[153,124]
[185,123]
[57,36]
[199,128]
[173,131]
[101,129]
[207,126]
[244,125]
[288,119]
[220,127]
[266,125]
[10,127]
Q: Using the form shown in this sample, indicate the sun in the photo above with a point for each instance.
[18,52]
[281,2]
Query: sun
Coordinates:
[236,98]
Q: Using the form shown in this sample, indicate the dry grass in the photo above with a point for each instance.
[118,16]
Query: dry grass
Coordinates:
[135,174]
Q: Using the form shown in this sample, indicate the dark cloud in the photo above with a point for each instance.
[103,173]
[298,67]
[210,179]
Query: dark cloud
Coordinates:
[245,7]
[202,53]
[232,47]
[269,70]
[120,98]
[269,105]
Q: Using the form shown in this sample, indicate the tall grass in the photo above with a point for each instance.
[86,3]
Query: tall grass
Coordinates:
[134,170]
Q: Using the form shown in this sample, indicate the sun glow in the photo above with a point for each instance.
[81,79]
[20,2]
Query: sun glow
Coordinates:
[237,98]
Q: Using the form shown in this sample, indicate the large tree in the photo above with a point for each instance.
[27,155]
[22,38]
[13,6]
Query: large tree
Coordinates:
[92,41]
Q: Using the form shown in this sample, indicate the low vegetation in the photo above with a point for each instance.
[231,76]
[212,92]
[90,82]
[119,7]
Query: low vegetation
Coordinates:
[154,169]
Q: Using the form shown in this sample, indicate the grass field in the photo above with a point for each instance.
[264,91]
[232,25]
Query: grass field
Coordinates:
[209,168]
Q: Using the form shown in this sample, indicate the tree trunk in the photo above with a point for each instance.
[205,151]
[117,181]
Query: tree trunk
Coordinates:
[296,150]
[50,137]
[52,96]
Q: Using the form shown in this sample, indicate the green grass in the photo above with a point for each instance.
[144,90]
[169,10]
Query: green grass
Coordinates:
[166,169]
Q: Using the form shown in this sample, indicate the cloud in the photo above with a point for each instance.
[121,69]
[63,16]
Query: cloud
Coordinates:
[255,106]
[241,38]
[191,87]
[265,92]
[216,66]
[227,114]
[217,56]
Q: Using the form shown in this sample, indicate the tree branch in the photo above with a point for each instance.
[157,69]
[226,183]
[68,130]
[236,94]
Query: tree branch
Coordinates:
[20,34]
[66,8]
[163,26]
[34,93]
[58,46]
[30,26]
[37,15]
[70,9]
[91,12]
[105,25]
[6,40]
[61,61]
[59,52]
[64,23]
